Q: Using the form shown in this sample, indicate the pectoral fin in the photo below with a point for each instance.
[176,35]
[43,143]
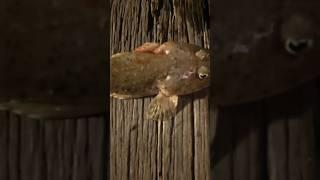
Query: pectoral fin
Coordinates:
[162,107]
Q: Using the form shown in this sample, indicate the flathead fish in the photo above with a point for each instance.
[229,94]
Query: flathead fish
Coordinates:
[166,70]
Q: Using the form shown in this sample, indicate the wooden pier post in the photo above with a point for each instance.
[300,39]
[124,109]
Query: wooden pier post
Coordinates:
[146,150]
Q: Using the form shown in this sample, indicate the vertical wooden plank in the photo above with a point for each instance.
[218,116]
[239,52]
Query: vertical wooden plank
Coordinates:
[257,143]
[59,127]
[133,141]
[241,155]
[213,122]
[39,154]
[53,139]
[50,150]
[257,170]
[166,150]
[153,157]
[294,154]
[188,140]
[113,141]
[80,156]
[69,136]
[293,148]
[96,129]
[14,147]
[149,149]
[27,151]
[201,137]
[177,142]
[277,148]
[308,139]
[127,137]
[238,149]
[4,146]
[134,144]
[221,150]
[56,149]
[144,137]
[296,120]
[119,122]
[284,117]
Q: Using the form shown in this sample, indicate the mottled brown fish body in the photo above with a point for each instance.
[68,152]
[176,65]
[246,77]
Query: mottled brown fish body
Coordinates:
[166,70]
[134,74]
[137,74]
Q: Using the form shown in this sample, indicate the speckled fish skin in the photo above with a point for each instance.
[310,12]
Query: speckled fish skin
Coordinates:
[139,74]
[166,70]
[133,74]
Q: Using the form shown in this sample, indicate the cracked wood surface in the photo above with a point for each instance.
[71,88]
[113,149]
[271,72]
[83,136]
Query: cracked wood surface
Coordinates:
[142,149]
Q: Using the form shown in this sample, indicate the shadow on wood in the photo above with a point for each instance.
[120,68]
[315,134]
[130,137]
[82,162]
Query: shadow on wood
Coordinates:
[271,139]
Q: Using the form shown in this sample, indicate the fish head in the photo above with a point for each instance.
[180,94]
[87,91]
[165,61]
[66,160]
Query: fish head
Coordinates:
[188,67]
[201,77]
[191,75]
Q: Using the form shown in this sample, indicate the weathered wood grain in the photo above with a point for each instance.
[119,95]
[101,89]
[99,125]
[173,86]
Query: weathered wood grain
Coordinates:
[307,145]
[80,169]
[221,149]
[237,152]
[34,149]
[241,150]
[142,149]
[257,147]
[201,136]
[31,150]
[4,136]
[97,149]
[271,139]
[69,135]
[52,146]
[277,148]
[296,153]
[13,146]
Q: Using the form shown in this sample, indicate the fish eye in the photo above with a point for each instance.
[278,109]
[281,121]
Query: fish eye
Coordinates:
[203,72]
[203,76]
[202,54]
